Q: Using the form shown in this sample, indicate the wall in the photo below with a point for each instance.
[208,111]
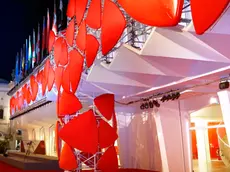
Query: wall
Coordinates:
[156,139]
[138,142]
[4,102]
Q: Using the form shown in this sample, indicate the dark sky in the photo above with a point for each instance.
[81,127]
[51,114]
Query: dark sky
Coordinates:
[18,18]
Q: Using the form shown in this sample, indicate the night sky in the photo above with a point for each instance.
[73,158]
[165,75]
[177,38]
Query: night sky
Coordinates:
[18,18]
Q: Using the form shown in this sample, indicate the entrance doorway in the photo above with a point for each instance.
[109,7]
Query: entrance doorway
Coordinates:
[212,146]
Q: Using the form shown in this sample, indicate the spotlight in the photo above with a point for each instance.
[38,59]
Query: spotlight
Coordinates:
[156,103]
[177,95]
[142,107]
[151,104]
[146,105]
[223,85]
[169,97]
[163,98]
[174,96]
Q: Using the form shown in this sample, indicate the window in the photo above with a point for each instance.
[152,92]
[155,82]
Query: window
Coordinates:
[1,114]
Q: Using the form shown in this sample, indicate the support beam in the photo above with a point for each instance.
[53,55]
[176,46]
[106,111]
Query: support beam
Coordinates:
[204,160]
[224,98]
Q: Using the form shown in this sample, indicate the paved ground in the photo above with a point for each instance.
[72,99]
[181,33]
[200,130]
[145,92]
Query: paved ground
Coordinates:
[217,166]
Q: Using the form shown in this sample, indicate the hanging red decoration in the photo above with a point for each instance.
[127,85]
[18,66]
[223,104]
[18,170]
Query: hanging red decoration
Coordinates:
[44,86]
[109,162]
[80,7]
[206,12]
[34,88]
[70,32]
[39,76]
[46,71]
[58,77]
[58,140]
[66,79]
[67,159]
[92,46]
[64,53]
[81,37]
[93,19]
[154,12]
[51,78]
[68,104]
[113,25]
[114,121]
[81,132]
[107,135]
[28,96]
[24,90]
[105,104]
[75,66]
[51,40]
[60,52]
[71,9]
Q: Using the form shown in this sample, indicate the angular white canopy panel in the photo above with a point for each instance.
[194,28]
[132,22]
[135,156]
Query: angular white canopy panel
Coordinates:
[184,67]
[99,74]
[207,83]
[128,59]
[176,43]
[218,36]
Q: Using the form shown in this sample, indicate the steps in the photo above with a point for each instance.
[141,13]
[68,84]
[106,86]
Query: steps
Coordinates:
[33,162]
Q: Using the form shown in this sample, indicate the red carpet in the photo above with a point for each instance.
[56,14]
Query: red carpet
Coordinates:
[7,168]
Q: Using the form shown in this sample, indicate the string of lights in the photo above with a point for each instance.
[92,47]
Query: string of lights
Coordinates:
[172,94]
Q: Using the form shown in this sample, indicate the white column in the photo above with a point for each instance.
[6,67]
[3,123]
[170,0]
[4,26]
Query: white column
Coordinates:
[164,159]
[204,160]
[171,122]
[224,98]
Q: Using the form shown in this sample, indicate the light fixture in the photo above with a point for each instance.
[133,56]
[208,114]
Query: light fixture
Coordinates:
[151,105]
[223,85]
[146,105]
[142,107]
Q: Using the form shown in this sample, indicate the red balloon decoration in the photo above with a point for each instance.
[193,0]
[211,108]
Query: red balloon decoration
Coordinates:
[58,77]
[34,87]
[58,140]
[51,40]
[80,6]
[51,78]
[60,52]
[154,12]
[107,134]
[92,46]
[67,159]
[108,100]
[66,80]
[94,14]
[108,162]
[81,133]
[68,104]
[113,25]
[70,32]
[75,69]
[71,10]
[81,37]
[204,18]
